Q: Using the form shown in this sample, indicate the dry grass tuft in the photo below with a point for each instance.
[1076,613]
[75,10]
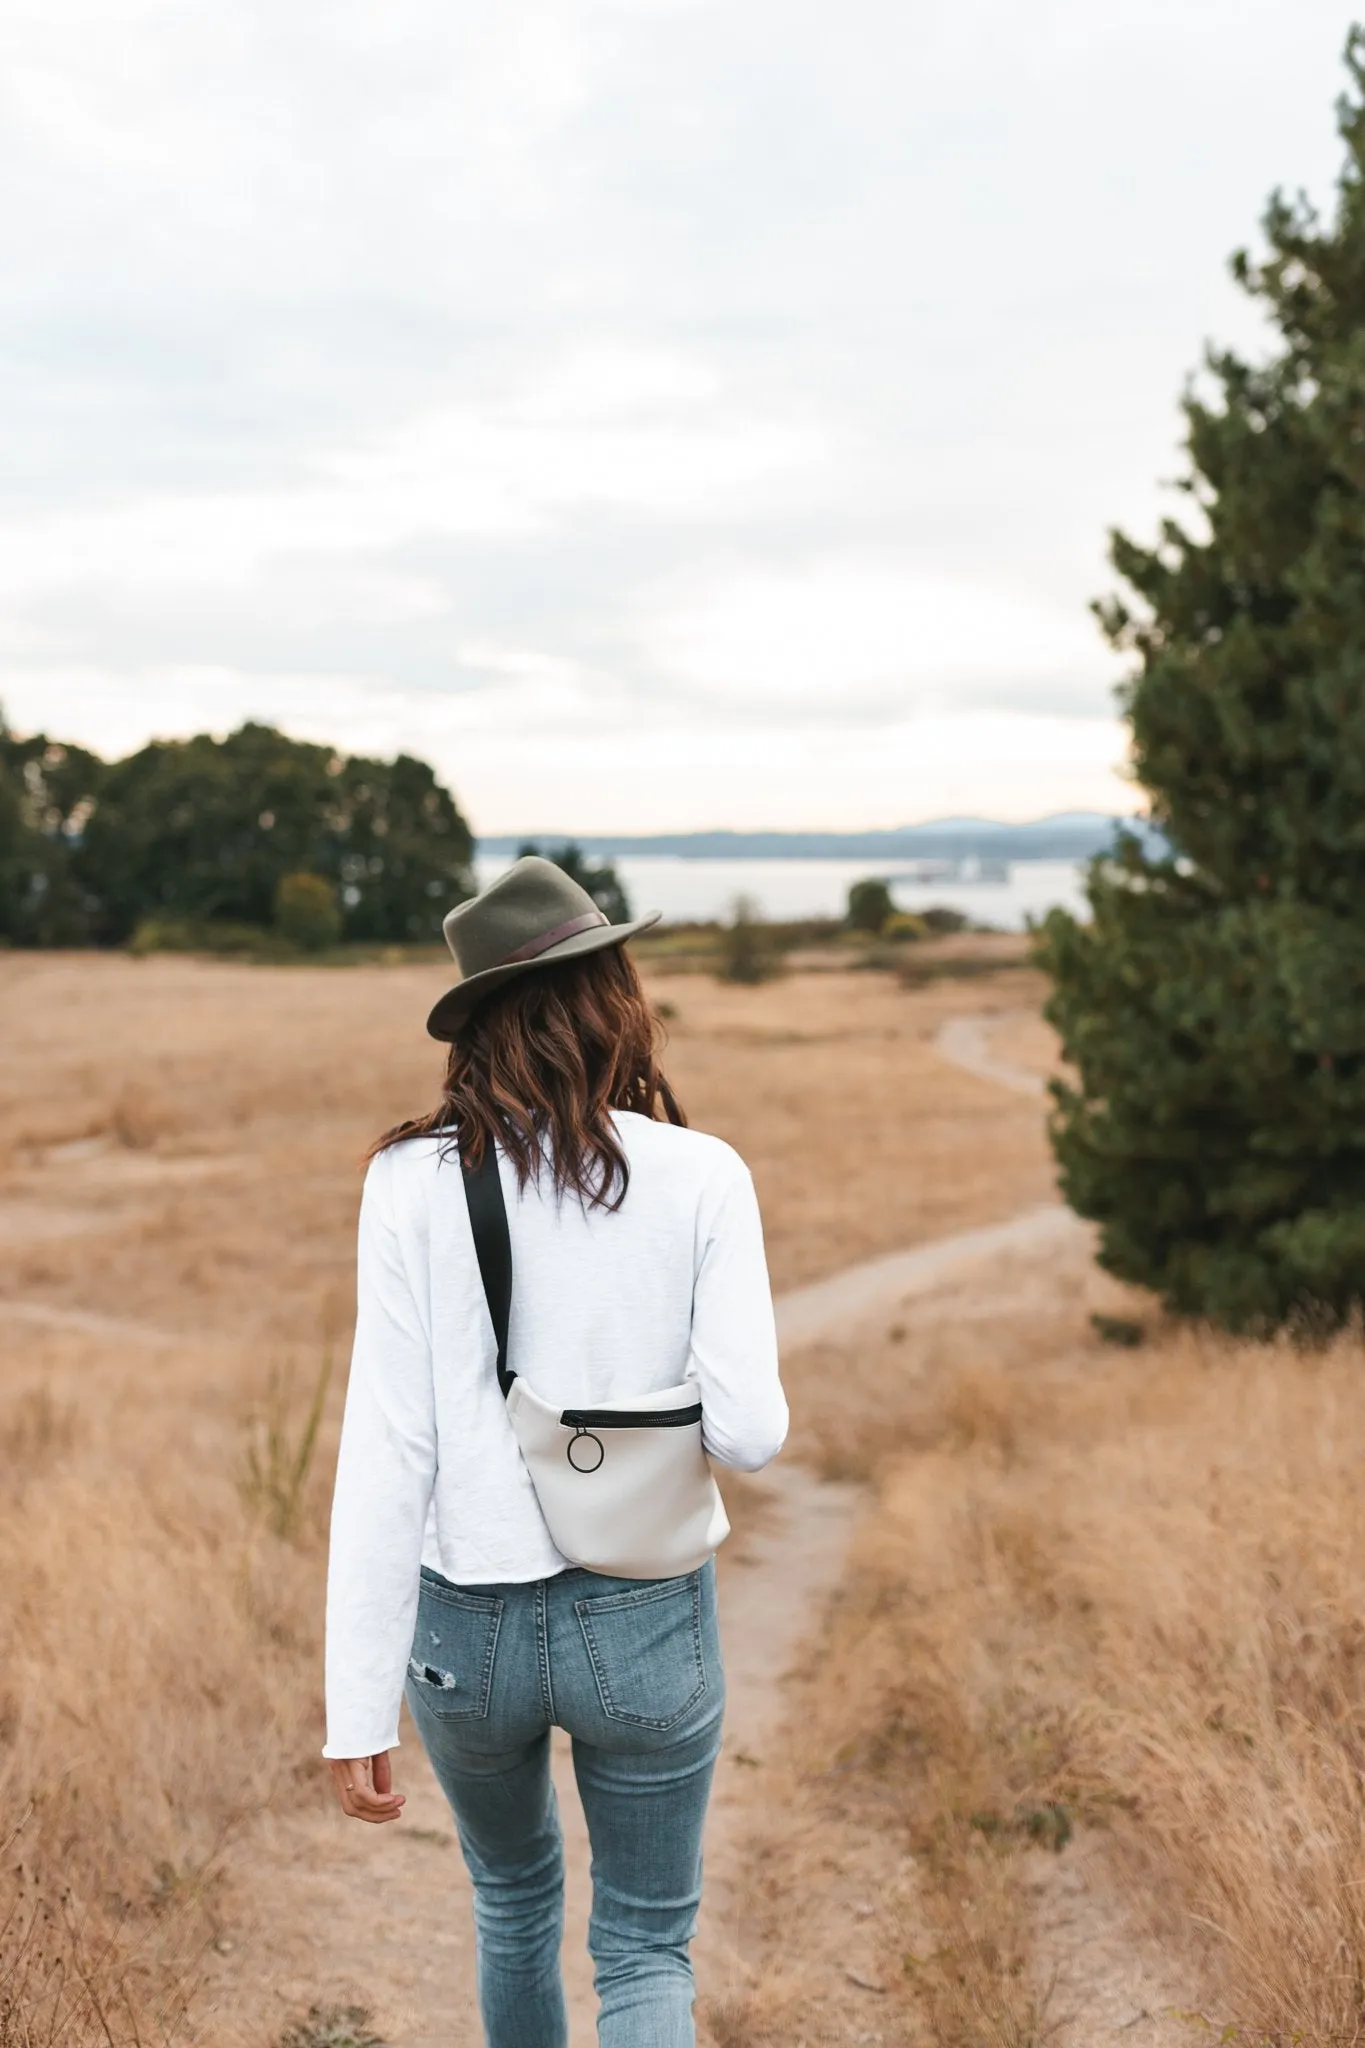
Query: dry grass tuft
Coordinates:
[66,1976]
[281,1448]
[332,2026]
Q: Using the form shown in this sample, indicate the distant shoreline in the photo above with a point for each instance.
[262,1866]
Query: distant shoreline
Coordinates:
[1070,835]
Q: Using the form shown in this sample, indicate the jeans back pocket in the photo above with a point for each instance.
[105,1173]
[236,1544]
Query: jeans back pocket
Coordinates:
[450,1671]
[646,1649]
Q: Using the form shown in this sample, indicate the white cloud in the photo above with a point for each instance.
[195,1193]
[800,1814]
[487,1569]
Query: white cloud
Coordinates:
[724,397]
[869,637]
[616,430]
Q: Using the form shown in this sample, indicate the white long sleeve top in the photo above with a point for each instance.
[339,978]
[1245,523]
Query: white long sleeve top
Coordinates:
[603,1304]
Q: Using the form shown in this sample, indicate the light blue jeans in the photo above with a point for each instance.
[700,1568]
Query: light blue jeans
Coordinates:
[632,1669]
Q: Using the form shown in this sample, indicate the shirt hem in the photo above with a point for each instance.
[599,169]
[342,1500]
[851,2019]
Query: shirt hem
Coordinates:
[335,1754]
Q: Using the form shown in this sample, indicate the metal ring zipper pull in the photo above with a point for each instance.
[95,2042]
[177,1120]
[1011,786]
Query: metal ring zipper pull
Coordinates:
[586,1436]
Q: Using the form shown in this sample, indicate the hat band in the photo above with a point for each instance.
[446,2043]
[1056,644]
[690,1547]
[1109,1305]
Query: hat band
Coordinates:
[545,940]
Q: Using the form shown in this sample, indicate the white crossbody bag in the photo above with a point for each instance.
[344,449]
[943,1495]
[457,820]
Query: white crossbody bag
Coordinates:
[626,1489]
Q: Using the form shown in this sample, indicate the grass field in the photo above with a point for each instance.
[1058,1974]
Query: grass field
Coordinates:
[179,1146]
[1078,1756]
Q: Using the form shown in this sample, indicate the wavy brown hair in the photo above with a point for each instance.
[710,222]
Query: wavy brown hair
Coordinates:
[539,1066]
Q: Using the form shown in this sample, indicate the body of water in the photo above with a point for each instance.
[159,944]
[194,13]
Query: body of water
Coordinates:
[783,889]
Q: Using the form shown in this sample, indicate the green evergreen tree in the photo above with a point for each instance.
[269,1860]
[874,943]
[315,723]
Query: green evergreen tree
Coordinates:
[1214,1008]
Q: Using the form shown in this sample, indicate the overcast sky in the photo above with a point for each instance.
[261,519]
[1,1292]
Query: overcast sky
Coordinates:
[659,413]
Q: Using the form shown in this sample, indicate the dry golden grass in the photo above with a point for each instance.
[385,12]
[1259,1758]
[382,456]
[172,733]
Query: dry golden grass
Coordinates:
[179,1146]
[1115,1594]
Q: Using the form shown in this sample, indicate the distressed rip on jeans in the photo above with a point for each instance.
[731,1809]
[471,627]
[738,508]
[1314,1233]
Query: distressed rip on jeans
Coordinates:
[427,1674]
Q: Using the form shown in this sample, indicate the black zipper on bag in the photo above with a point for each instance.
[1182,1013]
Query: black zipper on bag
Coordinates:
[627,1418]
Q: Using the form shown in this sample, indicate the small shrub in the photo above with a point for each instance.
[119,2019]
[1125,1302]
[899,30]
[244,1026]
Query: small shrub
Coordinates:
[904,924]
[749,951]
[942,921]
[870,908]
[306,912]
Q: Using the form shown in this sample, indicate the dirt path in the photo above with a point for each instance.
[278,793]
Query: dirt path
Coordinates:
[877,1286]
[966,1043]
[1111,1985]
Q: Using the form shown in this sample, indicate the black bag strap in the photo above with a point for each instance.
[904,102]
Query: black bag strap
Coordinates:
[493,1246]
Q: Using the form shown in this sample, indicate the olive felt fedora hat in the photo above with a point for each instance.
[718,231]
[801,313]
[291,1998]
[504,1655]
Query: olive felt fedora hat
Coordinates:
[531,916]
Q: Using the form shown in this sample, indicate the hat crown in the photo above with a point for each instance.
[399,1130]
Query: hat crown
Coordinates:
[533,898]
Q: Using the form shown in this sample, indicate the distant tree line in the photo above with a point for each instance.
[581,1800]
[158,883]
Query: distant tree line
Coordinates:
[207,833]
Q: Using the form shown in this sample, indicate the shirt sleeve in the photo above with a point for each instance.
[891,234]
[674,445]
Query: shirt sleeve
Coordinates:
[386,1470]
[734,1336]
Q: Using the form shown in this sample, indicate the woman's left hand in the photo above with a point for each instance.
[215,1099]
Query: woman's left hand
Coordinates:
[364,1786]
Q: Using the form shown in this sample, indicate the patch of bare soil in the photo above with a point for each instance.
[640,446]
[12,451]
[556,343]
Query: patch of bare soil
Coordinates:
[972,1044]
[1108,1981]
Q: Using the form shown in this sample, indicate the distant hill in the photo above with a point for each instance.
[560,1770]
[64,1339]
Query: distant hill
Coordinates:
[1067,835]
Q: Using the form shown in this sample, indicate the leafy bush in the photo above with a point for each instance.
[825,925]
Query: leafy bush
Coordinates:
[306,912]
[870,908]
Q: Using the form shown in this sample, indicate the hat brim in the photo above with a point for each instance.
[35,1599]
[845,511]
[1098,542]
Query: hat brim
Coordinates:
[455,1005]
